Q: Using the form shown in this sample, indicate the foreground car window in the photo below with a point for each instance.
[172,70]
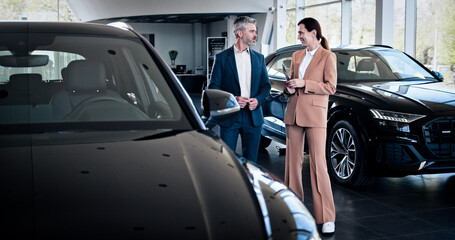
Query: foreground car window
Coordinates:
[89,80]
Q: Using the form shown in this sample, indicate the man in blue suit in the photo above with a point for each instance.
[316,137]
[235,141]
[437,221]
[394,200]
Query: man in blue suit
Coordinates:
[242,72]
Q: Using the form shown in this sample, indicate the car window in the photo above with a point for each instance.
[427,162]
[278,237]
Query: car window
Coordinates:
[362,65]
[275,67]
[69,79]
[384,65]
[403,66]
[49,72]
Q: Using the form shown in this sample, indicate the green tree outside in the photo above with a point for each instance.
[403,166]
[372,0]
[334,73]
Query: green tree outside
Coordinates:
[36,10]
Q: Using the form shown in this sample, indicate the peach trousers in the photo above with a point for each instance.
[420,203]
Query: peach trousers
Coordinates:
[324,208]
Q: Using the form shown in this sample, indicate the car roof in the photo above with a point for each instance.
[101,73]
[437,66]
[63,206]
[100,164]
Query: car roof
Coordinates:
[64,27]
[362,47]
[341,47]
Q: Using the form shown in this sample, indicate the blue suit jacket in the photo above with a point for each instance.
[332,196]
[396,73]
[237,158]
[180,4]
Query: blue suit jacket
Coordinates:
[225,77]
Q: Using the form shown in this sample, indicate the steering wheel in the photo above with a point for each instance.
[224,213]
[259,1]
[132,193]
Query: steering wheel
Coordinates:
[106,108]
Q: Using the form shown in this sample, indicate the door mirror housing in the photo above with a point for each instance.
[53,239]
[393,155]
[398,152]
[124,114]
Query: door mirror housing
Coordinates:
[217,105]
[439,75]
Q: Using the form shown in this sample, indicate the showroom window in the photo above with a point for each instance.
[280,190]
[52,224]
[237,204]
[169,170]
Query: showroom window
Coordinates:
[435,40]
[291,23]
[328,14]
[37,10]
[363,22]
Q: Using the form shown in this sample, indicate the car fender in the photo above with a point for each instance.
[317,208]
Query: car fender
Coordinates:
[282,210]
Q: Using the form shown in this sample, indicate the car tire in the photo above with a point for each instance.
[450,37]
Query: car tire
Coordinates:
[264,142]
[346,156]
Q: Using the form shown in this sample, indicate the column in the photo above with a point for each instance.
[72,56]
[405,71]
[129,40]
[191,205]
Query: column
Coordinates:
[384,22]
[279,26]
[410,31]
[346,10]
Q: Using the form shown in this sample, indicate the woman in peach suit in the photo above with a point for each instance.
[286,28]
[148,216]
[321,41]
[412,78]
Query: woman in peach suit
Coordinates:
[313,78]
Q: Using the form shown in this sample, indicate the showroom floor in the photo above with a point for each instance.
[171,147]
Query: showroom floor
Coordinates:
[420,207]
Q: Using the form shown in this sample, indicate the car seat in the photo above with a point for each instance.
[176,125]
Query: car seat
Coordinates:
[82,79]
[24,89]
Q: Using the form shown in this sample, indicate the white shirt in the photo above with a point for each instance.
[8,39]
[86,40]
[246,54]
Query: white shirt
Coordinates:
[306,61]
[243,63]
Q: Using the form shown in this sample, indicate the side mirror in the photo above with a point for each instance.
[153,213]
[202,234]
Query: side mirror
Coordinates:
[439,75]
[217,105]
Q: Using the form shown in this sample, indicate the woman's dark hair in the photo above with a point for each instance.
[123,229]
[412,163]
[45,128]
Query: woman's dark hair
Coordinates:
[312,24]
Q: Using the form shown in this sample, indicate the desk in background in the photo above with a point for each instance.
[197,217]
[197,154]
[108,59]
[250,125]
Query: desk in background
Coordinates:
[193,83]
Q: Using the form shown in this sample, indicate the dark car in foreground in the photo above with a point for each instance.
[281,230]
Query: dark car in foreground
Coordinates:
[99,140]
[390,115]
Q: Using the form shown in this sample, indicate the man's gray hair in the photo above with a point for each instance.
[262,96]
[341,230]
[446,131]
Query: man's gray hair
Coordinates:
[240,23]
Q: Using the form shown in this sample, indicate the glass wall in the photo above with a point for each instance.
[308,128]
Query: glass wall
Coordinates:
[363,22]
[291,23]
[328,14]
[435,41]
[329,17]
[435,27]
[36,10]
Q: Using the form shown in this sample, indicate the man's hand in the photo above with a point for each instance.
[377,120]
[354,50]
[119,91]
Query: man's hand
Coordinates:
[252,103]
[243,101]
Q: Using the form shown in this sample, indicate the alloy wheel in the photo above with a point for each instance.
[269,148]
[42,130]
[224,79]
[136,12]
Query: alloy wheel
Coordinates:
[343,153]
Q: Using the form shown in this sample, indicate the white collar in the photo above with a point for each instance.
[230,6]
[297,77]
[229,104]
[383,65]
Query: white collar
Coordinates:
[313,51]
[238,51]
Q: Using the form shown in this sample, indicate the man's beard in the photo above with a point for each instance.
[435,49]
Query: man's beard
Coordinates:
[249,43]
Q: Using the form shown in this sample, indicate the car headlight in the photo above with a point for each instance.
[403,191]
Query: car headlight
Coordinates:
[395,120]
[395,116]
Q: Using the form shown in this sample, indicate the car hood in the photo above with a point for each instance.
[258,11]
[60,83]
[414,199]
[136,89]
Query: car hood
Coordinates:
[420,97]
[183,185]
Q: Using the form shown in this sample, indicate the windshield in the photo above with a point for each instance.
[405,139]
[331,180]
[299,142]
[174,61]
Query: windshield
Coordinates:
[74,82]
[378,65]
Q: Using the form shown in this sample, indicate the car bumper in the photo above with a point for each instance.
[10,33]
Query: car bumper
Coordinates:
[405,159]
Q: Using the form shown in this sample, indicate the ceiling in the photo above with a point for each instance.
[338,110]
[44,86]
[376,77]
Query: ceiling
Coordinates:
[172,11]
[172,18]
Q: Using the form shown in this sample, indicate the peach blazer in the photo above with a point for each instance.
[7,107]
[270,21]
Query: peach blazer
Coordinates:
[308,106]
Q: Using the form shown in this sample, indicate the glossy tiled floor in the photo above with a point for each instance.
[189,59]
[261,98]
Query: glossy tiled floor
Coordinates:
[418,207]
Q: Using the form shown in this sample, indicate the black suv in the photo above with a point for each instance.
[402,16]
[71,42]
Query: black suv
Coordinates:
[390,115]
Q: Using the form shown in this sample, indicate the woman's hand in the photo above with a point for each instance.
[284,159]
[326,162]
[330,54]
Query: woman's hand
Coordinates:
[290,90]
[295,83]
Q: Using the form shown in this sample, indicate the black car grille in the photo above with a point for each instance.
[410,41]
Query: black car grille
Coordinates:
[440,136]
